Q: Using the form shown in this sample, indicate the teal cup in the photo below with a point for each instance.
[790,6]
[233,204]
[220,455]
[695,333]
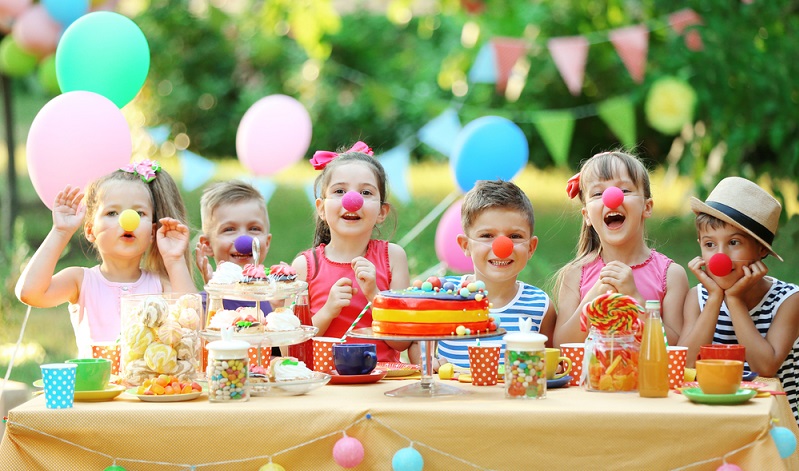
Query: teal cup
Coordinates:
[92,373]
[59,385]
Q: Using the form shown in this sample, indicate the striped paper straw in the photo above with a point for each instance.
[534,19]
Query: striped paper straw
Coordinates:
[355,322]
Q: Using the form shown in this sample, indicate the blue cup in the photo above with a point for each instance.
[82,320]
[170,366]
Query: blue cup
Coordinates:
[355,358]
[59,384]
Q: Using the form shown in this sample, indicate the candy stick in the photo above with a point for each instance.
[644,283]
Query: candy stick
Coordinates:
[355,322]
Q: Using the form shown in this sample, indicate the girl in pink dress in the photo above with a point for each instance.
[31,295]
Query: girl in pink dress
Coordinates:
[346,267]
[153,257]
[612,253]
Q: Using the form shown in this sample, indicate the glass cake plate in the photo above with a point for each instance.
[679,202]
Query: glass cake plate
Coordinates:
[268,338]
[266,292]
[289,388]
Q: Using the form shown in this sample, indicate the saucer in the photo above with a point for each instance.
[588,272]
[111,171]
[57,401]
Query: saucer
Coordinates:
[164,397]
[373,377]
[396,369]
[744,385]
[696,395]
[559,383]
[111,391]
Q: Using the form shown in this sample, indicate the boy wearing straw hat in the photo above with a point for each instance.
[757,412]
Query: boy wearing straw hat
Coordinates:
[736,302]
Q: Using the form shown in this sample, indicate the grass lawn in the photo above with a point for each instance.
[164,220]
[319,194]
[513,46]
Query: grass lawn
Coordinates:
[49,336]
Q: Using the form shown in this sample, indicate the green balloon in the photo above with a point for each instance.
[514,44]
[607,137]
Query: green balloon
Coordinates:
[105,53]
[15,61]
[47,76]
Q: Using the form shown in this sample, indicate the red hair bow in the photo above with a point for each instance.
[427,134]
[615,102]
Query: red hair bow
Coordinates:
[573,186]
[323,157]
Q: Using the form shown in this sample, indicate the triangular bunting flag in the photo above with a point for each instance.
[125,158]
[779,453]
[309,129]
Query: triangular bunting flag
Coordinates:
[632,44]
[619,114]
[196,170]
[680,20]
[441,131]
[507,51]
[265,186]
[484,69]
[159,134]
[396,162]
[570,54]
[309,193]
[556,128]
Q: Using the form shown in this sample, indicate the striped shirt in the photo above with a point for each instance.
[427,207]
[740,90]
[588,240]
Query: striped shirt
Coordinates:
[529,302]
[762,316]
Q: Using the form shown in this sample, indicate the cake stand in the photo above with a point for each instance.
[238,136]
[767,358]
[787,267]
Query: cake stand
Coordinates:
[427,386]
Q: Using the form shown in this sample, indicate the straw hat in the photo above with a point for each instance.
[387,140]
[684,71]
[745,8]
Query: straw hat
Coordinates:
[741,203]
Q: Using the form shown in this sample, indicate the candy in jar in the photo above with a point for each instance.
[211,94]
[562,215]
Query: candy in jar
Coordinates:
[525,368]
[228,369]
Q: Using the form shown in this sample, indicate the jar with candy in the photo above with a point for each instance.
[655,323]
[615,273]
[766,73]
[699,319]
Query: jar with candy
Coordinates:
[525,369]
[612,361]
[228,369]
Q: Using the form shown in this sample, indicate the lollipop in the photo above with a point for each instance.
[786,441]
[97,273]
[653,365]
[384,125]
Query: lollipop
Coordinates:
[612,197]
[613,312]
[243,244]
[129,220]
[502,247]
[352,201]
[720,264]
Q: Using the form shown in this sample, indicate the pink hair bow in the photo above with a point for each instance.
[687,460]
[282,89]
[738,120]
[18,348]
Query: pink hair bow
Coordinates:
[146,169]
[323,157]
[573,186]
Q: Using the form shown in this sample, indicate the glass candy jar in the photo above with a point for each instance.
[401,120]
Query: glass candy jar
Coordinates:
[612,361]
[525,368]
[228,369]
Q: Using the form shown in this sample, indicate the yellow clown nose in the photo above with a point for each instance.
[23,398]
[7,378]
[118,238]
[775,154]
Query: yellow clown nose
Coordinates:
[129,220]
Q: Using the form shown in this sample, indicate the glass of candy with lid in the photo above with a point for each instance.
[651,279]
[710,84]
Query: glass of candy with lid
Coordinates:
[525,368]
[228,369]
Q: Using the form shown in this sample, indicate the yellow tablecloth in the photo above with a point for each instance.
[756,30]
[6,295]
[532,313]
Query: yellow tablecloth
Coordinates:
[570,429]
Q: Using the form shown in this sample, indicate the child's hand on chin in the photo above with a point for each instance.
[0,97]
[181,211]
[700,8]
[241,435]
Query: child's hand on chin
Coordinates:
[712,288]
[752,274]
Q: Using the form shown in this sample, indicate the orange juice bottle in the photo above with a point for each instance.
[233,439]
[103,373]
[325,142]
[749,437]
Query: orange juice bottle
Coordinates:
[653,361]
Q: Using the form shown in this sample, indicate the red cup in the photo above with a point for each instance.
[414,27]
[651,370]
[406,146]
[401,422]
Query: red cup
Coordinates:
[575,351]
[483,364]
[266,356]
[109,351]
[717,351]
[323,353]
[677,356]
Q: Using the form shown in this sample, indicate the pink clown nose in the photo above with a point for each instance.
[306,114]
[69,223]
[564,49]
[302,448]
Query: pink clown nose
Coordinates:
[502,247]
[612,197]
[720,264]
[243,244]
[352,201]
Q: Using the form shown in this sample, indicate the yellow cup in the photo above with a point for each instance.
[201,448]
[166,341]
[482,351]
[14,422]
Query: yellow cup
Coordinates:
[719,376]
[552,359]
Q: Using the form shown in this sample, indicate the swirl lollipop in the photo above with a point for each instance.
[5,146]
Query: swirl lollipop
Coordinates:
[243,244]
[720,265]
[612,197]
[129,220]
[502,247]
[352,201]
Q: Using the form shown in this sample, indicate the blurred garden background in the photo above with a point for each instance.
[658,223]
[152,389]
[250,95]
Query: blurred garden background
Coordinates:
[699,89]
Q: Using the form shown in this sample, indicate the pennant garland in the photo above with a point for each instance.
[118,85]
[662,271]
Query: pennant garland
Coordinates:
[506,52]
[632,44]
[396,162]
[570,54]
[440,132]
[484,69]
[680,20]
[196,170]
[556,128]
[619,114]
[265,186]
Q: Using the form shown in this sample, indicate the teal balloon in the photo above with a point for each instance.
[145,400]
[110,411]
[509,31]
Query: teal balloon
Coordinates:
[15,61]
[105,53]
[47,77]
[785,441]
[407,459]
[488,148]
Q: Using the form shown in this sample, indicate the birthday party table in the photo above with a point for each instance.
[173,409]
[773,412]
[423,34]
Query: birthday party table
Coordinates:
[570,429]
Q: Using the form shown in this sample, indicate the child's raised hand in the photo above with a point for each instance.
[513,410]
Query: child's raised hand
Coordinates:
[752,274]
[68,212]
[203,264]
[172,239]
[366,275]
[712,288]
[340,296]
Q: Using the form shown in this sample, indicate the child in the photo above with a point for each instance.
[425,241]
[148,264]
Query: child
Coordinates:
[494,209]
[346,268]
[229,210]
[152,258]
[612,253]
[739,219]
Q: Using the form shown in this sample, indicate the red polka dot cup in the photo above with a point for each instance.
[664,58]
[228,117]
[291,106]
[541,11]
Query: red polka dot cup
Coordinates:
[677,356]
[265,356]
[576,352]
[109,351]
[484,364]
[323,353]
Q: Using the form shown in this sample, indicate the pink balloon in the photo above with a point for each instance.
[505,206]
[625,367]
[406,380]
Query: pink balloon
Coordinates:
[36,31]
[447,248]
[348,452]
[12,8]
[75,138]
[273,134]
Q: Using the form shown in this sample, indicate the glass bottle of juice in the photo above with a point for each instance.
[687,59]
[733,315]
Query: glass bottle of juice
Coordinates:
[303,351]
[653,363]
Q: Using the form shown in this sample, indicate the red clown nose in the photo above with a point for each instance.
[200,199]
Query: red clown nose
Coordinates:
[502,247]
[720,265]
[352,201]
[612,197]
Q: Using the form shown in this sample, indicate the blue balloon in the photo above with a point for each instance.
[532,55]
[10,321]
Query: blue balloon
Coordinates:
[488,148]
[66,11]
[407,459]
[785,441]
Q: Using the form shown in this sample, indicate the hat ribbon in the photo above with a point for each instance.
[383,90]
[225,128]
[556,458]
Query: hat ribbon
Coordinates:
[758,229]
